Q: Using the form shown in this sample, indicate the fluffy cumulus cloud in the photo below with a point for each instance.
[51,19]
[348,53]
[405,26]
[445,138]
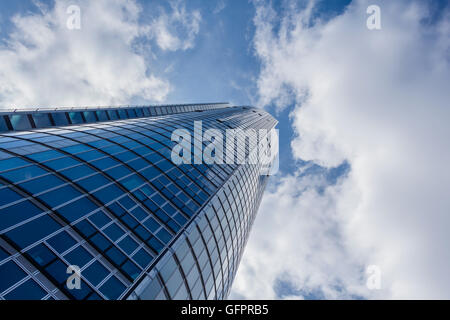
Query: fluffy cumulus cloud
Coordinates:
[379,100]
[44,62]
[176,30]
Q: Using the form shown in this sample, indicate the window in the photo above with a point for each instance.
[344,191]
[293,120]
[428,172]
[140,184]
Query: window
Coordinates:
[102,116]
[62,242]
[8,196]
[93,182]
[143,258]
[59,196]
[95,273]
[108,194]
[29,290]
[116,256]
[128,245]
[77,209]
[61,163]
[90,116]
[10,273]
[23,173]
[78,257]
[113,114]
[41,254]
[42,120]
[131,269]
[20,122]
[33,231]
[60,118]
[114,232]
[17,213]
[113,288]
[99,219]
[75,117]
[77,172]
[3,126]
[40,184]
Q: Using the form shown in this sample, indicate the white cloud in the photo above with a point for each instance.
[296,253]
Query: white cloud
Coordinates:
[177,30]
[44,63]
[379,100]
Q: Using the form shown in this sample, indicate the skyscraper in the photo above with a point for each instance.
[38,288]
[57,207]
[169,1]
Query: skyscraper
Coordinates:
[92,205]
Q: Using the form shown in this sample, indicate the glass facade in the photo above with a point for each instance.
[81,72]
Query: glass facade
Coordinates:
[96,188]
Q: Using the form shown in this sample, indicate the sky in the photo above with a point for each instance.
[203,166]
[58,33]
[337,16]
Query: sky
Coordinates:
[363,180]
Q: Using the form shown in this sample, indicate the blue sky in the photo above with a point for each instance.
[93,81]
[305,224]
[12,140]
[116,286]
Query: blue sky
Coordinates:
[362,146]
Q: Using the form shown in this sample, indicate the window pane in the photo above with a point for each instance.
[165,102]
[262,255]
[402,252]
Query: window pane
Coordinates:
[77,209]
[62,241]
[40,184]
[10,273]
[24,173]
[75,117]
[90,116]
[60,118]
[30,290]
[41,120]
[95,273]
[17,213]
[113,288]
[20,122]
[8,196]
[41,254]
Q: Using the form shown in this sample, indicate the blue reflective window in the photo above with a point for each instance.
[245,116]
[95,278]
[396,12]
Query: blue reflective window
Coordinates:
[151,224]
[128,245]
[10,273]
[29,290]
[91,155]
[12,163]
[33,231]
[77,172]
[41,254]
[3,254]
[95,273]
[41,120]
[144,234]
[99,219]
[17,213]
[123,114]
[77,209]
[102,116]
[20,122]
[61,163]
[143,258]
[59,196]
[41,184]
[78,257]
[108,194]
[118,172]
[164,235]
[24,173]
[86,228]
[129,221]
[76,148]
[81,293]
[155,244]
[132,182]
[89,116]
[113,114]
[101,242]
[60,118]
[8,196]
[104,163]
[62,241]
[114,232]
[131,269]
[75,117]
[46,155]
[3,126]
[93,182]
[116,256]
[113,288]
[58,271]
